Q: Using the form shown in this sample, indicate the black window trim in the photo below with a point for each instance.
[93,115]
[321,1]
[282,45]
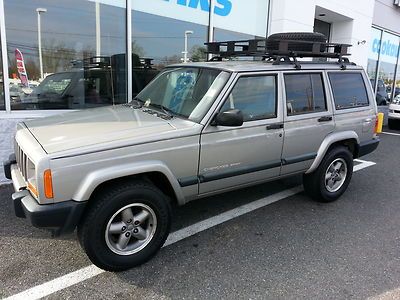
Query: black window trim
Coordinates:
[226,98]
[333,92]
[324,86]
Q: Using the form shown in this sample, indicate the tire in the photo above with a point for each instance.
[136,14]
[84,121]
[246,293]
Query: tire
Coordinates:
[315,183]
[393,124]
[110,209]
[274,39]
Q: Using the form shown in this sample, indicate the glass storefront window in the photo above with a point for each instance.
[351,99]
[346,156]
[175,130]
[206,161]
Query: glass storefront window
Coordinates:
[382,60]
[373,56]
[396,92]
[162,39]
[65,54]
[388,60]
[2,101]
[162,31]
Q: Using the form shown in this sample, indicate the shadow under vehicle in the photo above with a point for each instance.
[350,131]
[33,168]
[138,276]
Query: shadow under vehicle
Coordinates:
[92,82]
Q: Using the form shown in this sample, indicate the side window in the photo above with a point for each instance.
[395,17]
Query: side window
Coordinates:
[348,90]
[304,94]
[255,96]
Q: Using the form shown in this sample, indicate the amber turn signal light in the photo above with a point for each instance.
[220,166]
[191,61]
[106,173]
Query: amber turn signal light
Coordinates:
[48,184]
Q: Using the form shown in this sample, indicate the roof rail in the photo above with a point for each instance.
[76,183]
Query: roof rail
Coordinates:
[279,51]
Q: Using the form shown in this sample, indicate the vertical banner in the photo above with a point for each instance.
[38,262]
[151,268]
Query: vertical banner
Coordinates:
[23,76]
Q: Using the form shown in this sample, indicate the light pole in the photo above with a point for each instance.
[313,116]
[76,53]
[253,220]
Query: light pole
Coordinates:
[98,30]
[39,11]
[185,53]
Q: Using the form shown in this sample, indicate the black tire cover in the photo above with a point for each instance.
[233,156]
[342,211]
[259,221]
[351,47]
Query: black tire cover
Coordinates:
[273,40]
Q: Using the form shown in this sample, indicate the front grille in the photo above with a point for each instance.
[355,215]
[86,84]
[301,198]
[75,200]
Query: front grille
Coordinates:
[22,161]
[397,111]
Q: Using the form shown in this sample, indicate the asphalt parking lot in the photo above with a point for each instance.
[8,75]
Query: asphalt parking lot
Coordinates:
[291,249]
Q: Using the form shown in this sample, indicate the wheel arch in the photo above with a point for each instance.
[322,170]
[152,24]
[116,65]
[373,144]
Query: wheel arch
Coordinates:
[348,139]
[152,171]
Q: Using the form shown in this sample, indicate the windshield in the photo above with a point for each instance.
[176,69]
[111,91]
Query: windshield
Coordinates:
[54,84]
[187,92]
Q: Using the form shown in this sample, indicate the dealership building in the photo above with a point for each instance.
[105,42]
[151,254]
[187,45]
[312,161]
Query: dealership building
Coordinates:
[62,55]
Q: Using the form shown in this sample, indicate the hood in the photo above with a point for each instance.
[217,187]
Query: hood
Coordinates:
[97,126]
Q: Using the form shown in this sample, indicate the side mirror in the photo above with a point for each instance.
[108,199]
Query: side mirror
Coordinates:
[233,118]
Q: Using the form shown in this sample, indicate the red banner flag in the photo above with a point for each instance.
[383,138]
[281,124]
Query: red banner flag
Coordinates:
[23,76]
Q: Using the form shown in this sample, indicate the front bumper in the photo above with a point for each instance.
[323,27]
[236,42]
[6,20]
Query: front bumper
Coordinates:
[394,111]
[60,218]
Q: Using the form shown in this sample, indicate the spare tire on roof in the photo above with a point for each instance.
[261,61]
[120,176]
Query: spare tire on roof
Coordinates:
[274,39]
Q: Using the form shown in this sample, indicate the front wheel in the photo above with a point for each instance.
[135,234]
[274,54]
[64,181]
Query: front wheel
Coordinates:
[125,226]
[332,177]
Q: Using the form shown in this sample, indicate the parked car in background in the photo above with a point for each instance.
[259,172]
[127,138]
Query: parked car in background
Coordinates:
[389,91]
[381,93]
[93,82]
[16,93]
[394,113]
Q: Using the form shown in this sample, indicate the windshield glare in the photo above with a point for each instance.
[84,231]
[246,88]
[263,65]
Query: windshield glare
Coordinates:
[54,84]
[187,92]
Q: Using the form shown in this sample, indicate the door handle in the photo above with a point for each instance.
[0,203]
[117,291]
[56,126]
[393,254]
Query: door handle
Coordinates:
[275,126]
[368,120]
[325,119]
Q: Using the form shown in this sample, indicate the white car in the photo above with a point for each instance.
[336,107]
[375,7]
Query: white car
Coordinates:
[394,113]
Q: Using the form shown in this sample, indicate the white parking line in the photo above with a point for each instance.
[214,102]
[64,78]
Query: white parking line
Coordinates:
[391,133]
[91,271]
[364,164]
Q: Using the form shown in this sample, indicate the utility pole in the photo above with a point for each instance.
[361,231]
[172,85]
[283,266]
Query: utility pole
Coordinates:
[39,12]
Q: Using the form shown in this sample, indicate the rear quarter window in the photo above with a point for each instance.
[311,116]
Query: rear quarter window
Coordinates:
[349,90]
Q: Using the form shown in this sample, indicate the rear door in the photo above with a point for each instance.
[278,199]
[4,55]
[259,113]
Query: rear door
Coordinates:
[234,156]
[308,118]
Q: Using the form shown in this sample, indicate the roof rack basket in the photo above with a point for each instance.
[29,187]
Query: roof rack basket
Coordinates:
[279,51]
[92,62]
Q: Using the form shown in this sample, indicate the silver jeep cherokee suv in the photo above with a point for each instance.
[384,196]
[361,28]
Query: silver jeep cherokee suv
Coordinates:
[196,130]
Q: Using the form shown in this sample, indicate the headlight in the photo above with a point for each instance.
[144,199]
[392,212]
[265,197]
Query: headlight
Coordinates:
[31,178]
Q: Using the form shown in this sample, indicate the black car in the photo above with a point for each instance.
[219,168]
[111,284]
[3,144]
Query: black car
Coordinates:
[97,81]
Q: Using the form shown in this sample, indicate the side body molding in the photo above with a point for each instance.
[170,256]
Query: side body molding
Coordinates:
[95,178]
[328,141]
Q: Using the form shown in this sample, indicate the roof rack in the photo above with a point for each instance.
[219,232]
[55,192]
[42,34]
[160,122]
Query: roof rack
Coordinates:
[92,62]
[279,51]
[104,62]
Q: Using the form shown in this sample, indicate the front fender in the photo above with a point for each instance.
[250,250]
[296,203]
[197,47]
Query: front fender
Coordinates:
[328,141]
[92,180]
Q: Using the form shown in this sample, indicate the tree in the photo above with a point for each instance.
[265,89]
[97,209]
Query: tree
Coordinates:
[137,49]
[198,53]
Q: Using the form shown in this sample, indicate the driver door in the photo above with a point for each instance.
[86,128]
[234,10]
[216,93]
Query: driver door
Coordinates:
[234,156]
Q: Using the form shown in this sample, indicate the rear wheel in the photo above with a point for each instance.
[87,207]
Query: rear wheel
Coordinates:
[125,226]
[332,177]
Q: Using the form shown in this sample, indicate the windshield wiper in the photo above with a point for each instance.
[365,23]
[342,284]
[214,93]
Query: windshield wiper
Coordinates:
[166,110]
[137,102]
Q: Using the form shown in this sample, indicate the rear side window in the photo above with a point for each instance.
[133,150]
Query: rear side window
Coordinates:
[304,94]
[348,90]
[255,96]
